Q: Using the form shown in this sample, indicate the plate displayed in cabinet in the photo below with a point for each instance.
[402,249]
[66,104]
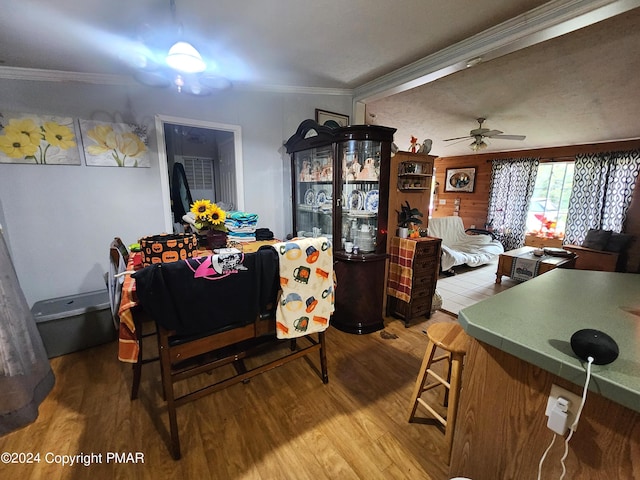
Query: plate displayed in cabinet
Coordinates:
[371,201]
[309,197]
[356,200]
[321,197]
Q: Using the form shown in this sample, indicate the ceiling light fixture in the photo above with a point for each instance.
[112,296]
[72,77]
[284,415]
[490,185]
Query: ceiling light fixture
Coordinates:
[184,57]
[181,66]
[478,145]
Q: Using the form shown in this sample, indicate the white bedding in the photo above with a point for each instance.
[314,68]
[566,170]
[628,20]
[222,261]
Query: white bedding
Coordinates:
[459,248]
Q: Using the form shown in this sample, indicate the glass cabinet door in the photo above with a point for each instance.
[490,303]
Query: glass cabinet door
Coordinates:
[360,191]
[313,191]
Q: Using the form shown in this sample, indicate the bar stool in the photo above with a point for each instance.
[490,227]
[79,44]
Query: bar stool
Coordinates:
[451,338]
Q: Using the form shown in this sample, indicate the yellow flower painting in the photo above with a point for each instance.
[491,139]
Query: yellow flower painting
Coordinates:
[38,139]
[114,144]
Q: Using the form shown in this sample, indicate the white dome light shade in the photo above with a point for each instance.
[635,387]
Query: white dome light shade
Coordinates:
[185,58]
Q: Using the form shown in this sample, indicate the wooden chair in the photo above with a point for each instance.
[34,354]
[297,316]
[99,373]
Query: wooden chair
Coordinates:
[118,258]
[145,328]
[117,248]
[214,319]
[144,325]
[182,358]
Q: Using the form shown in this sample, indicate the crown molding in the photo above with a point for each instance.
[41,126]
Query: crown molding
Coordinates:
[41,75]
[550,20]
[538,25]
[292,89]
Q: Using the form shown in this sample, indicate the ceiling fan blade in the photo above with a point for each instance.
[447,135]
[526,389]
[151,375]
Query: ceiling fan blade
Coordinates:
[491,133]
[510,137]
[457,138]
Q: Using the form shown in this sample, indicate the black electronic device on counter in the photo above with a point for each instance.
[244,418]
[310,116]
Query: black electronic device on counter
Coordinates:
[596,344]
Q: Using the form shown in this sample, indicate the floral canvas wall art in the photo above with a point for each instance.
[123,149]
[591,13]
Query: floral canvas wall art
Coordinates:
[38,139]
[114,144]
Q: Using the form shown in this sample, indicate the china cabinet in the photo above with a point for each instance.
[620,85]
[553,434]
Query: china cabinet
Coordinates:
[340,181]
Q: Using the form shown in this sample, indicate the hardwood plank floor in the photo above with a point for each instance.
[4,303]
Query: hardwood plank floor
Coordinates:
[283,424]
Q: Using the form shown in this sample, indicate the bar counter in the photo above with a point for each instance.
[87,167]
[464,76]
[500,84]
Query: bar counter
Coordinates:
[520,347]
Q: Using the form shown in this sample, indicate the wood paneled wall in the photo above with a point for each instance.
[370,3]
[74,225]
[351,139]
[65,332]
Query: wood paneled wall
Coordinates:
[474,206]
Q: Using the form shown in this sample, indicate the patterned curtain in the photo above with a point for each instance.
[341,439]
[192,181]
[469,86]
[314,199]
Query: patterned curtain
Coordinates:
[603,185]
[510,192]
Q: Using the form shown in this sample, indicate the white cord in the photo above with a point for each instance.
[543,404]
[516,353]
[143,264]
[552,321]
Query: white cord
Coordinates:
[575,422]
[544,456]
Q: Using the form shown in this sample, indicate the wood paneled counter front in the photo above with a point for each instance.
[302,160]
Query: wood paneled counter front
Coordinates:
[520,348]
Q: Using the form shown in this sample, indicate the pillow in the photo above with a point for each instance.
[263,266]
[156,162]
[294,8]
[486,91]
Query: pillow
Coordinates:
[597,239]
[618,242]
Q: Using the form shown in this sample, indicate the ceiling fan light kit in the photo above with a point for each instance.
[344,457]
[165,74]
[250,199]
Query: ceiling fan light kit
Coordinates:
[479,134]
[182,67]
[478,145]
[184,57]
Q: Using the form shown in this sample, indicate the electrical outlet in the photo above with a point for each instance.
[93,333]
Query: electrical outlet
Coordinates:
[574,403]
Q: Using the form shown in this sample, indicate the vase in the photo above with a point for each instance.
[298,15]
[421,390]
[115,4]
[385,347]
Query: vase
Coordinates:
[403,232]
[216,239]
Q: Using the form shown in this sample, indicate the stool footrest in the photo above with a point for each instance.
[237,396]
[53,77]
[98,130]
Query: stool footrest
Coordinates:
[441,380]
[440,358]
[439,417]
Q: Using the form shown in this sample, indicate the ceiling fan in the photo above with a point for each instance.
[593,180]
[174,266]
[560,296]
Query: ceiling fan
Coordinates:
[479,134]
[161,56]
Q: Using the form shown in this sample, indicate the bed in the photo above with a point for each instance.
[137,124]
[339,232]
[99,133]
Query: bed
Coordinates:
[460,247]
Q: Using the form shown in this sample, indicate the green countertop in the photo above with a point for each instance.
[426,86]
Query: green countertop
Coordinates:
[534,321]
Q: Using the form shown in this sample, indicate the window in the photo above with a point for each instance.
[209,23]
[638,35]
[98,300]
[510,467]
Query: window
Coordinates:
[549,205]
[199,172]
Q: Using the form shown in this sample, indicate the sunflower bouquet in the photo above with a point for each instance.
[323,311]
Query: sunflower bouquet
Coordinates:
[208,216]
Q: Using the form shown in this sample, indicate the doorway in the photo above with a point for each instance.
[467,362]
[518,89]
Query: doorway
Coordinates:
[211,157]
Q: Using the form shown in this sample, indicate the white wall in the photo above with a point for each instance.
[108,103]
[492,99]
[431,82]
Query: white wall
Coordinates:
[59,220]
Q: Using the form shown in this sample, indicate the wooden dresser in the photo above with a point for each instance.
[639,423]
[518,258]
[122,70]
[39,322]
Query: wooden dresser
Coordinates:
[413,273]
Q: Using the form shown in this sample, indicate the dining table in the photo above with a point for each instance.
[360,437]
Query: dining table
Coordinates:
[130,310]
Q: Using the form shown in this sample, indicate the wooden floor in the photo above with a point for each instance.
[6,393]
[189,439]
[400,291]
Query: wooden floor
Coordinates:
[283,424]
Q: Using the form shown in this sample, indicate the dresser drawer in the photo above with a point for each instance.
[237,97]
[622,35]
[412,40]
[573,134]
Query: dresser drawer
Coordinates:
[417,307]
[423,266]
[426,249]
[422,283]
[420,305]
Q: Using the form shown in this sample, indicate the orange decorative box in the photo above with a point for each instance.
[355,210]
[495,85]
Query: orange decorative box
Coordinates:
[167,248]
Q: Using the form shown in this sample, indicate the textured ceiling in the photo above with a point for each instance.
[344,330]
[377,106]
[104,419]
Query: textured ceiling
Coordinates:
[320,43]
[579,88]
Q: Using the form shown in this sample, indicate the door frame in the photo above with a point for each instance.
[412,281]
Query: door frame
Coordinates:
[161,120]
